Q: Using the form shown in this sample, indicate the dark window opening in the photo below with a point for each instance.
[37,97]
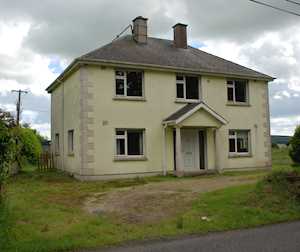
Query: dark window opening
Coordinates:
[231,145]
[240,91]
[230,93]
[192,88]
[119,87]
[180,90]
[237,90]
[187,87]
[134,84]
[135,142]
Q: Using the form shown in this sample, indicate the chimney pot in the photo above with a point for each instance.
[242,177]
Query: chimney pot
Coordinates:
[180,37]
[140,29]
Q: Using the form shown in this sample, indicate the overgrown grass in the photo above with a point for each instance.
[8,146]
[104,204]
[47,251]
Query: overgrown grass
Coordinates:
[46,211]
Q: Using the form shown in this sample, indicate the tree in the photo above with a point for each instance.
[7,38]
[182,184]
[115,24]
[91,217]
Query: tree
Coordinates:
[7,145]
[295,146]
[30,145]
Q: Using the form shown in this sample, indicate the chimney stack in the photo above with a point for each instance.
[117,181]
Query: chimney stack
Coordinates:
[180,38]
[140,29]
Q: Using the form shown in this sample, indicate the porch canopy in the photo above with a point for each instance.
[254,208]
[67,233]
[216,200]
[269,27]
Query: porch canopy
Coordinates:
[195,115]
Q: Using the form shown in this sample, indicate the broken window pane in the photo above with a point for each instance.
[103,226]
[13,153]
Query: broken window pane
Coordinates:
[135,142]
[192,87]
[134,84]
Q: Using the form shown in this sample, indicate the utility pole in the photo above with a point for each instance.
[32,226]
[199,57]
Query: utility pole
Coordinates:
[19,103]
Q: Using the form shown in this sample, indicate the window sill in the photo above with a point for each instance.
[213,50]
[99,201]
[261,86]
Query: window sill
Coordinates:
[239,104]
[128,158]
[71,154]
[177,100]
[129,98]
[240,155]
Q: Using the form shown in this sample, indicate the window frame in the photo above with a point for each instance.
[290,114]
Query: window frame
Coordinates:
[126,156]
[236,153]
[56,144]
[71,143]
[124,78]
[232,85]
[183,82]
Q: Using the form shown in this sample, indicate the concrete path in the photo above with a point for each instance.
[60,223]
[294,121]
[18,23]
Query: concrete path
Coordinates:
[275,238]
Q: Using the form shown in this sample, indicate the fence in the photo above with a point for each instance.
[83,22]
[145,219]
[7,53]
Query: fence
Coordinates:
[46,161]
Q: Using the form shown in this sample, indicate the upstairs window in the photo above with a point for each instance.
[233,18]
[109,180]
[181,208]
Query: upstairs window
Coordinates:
[187,87]
[70,142]
[129,83]
[130,142]
[239,141]
[237,91]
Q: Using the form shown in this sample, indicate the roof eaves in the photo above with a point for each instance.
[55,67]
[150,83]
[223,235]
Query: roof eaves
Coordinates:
[176,69]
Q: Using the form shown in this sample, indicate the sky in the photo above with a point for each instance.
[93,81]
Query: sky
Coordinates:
[38,39]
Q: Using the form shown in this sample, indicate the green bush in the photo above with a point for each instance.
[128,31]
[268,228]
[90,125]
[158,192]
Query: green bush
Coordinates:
[295,146]
[30,145]
[7,152]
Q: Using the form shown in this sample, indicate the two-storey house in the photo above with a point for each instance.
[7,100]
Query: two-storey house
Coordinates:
[143,106]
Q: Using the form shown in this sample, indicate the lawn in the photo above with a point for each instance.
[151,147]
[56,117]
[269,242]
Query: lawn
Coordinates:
[45,211]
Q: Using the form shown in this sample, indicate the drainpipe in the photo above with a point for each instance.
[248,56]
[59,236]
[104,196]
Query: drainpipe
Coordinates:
[164,161]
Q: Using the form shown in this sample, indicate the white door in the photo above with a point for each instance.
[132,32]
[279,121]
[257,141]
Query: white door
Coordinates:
[190,149]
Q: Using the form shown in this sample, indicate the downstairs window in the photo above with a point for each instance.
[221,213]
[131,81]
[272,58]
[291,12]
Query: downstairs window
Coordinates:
[129,142]
[239,142]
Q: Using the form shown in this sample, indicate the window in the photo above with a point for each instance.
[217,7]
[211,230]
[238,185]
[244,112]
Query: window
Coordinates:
[129,142]
[71,142]
[239,141]
[129,83]
[56,143]
[187,87]
[237,91]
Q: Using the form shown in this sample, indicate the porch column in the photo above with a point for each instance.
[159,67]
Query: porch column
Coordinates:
[179,166]
[164,161]
[217,141]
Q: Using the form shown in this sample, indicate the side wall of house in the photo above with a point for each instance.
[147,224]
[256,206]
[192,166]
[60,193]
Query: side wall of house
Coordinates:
[65,116]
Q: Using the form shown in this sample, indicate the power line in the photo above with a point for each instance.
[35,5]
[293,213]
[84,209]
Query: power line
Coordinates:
[293,2]
[276,8]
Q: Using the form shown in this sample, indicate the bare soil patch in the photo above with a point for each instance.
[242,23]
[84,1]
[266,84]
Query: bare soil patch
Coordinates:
[153,202]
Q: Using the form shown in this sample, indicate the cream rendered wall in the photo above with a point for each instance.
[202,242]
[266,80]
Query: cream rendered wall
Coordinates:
[93,111]
[65,109]
[110,113]
[254,117]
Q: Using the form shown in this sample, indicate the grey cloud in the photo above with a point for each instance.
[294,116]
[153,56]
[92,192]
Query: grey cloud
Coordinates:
[286,106]
[71,29]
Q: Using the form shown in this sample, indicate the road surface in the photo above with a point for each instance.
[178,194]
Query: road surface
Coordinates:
[274,238]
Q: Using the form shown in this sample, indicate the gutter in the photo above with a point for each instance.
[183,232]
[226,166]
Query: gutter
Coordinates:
[78,61]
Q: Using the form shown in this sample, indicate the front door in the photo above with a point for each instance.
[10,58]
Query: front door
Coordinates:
[190,149]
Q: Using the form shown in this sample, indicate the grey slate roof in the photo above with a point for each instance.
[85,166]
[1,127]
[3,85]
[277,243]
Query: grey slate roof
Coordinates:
[161,52]
[187,108]
[179,113]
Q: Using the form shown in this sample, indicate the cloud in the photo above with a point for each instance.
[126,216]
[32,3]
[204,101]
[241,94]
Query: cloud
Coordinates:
[37,41]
